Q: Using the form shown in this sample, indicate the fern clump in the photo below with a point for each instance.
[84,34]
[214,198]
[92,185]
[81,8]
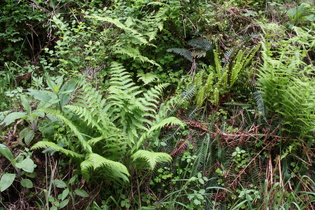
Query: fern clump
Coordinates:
[287,88]
[106,132]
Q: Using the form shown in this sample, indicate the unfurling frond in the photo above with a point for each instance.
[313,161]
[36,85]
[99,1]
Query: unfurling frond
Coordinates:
[114,170]
[151,158]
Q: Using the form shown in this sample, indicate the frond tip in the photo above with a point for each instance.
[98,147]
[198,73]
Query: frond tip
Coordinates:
[52,145]
[113,169]
[151,158]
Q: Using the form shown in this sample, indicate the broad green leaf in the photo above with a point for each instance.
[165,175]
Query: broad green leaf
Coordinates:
[51,199]
[27,134]
[39,113]
[59,82]
[60,184]
[6,153]
[81,192]
[197,202]
[66,90]
[64,203]
[31,175]
[41,95]
[52,85]
[27,183]
[10,118]
[26,104]
[64,194]
[27,165]
[6,181]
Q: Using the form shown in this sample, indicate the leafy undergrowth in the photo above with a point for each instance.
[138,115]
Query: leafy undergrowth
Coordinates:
[157,105]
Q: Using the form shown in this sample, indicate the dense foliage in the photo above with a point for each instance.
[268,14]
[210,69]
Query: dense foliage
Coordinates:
[157,104]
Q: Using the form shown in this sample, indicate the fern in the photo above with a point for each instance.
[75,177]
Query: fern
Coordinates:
[113,169]
[287,89]
[120,25]
[147,77]
[260,105]
[164,122]
[47,144]
[203,44]
[183,52]
[135,54]
[151,158]
[157,127]
[130,106]
[85,146]
[101,127]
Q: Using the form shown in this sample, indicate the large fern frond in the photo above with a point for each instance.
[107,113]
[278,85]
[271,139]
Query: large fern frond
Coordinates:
[51,145]
[135,54]
[120,25]
[168,121]
[112,169]
[156,127]
[128,106]
[152,95]
[86,147]
[150,158]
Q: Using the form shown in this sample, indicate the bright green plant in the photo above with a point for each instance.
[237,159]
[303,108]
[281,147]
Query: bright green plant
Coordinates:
[28,133]
[286,87]
[221,77]
[112,130]
[68,193]
[23,165]
[58,96]
[241,158]
[302,13]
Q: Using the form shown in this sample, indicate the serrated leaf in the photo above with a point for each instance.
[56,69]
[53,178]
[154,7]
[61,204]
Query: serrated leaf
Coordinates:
[6,181]
[27,183]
